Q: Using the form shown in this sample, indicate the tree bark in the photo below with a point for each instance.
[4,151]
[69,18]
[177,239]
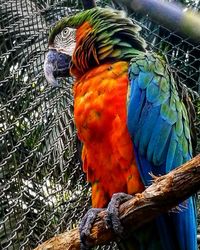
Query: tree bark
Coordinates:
[164,194]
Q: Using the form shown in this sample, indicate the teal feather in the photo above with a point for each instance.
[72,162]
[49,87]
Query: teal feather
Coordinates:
[179,125]
[186,131]
[144,79]
[157,132]
[173,103]
[164,84]
[147,129]
[184,147]
[162,144]
[158,68]
[168,114]
[173,144]
[178,157]
[153,92]
[163,97]
[135,71]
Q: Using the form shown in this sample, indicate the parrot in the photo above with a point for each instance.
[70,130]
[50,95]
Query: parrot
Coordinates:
[132,115]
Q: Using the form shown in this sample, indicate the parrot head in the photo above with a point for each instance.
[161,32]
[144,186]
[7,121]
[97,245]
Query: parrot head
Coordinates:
[59,56]
[80,42]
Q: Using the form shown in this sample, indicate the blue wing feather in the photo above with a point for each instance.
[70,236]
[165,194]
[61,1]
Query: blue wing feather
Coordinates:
[136,95]
[159,126]
[147,129]
[162,142]
[173,144]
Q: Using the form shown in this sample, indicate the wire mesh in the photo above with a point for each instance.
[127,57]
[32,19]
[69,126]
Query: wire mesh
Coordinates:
[42,188]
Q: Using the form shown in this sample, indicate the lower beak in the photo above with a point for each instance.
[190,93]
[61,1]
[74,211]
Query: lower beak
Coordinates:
[56,64]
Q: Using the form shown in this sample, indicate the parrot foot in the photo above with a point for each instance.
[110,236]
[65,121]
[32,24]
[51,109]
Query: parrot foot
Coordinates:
[112,217]
[86,225]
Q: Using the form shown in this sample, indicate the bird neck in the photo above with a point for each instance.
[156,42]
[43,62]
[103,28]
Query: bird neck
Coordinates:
[94,48]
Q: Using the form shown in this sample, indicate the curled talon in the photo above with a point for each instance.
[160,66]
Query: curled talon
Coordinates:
[112,217]
[86,225]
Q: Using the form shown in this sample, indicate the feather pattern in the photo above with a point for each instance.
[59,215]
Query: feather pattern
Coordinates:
[159,126]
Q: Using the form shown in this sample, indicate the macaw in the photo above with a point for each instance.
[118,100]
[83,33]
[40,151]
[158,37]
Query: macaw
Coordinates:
[130,115]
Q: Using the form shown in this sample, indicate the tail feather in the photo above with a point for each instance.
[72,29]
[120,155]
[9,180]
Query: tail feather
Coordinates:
[170,231]
[178,229]
[185,224]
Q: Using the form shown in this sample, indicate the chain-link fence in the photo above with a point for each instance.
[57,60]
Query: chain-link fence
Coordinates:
[42,188]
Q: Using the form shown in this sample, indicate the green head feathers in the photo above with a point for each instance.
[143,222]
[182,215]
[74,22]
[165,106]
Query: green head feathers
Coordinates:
[111,37]
[106,22]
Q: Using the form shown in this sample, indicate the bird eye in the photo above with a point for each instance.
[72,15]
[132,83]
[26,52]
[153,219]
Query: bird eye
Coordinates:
[65,32]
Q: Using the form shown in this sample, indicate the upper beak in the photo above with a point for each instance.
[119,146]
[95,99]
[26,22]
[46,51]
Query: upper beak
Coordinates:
[56,64]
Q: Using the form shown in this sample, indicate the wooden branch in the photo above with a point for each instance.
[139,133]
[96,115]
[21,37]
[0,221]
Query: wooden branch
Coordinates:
[165,193]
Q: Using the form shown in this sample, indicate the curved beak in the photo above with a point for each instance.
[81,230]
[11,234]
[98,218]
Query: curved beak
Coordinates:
[56,64]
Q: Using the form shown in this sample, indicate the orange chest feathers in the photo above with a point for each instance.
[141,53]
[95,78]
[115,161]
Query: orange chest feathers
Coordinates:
[100,116]
[100,96]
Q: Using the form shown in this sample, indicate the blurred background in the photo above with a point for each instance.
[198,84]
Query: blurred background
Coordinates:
[42,188]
